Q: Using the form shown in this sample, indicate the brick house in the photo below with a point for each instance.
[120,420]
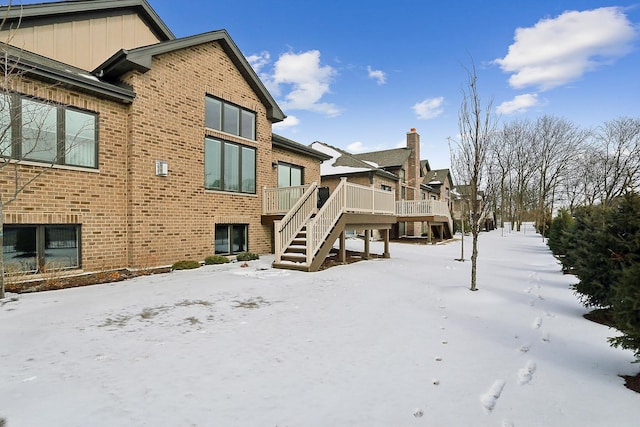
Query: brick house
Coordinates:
[398,169]
[159,150]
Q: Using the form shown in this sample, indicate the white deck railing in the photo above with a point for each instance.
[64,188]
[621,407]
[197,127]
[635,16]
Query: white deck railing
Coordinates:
[280,200]
[300,203]
[409,208]
[347,197]
[363,199]
[288,227]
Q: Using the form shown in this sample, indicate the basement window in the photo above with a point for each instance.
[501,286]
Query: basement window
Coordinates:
[231,238]
[41,248]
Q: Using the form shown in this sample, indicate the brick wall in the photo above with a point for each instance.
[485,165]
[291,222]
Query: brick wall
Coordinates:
[311,172]
[130,217]
[95,199]
[174,217]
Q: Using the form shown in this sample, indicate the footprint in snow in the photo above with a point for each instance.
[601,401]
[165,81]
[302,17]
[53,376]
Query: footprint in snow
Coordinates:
[525,374]
[537,322]
[490,398]
[545,337]
[525,348]
[418,413]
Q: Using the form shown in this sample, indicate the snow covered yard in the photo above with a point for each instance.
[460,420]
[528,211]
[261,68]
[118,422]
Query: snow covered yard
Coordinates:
[395,342]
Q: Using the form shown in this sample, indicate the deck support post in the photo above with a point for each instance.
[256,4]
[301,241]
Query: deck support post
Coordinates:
[386,253]
[342,253]
[367,238]
[429,237]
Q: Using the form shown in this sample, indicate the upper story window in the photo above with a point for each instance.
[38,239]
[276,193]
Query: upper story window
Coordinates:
[226,117]
[402,175]
[229,166]
[289,175]
[45,132]
[386,187]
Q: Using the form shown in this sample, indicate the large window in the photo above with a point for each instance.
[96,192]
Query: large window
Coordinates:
[231,238]
[41,248]
[229,166]
[289,175]
[45,132]
[229,118]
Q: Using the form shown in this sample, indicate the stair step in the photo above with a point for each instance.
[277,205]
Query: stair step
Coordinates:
[301,249]
[294,257]
[299,242]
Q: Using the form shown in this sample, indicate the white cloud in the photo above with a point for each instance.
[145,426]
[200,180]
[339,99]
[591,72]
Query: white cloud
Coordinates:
[559,50]
[307,80]
[518,104]
[356,147]
[429,108]
[359,147]
[259,60]
[377,75]
[288,123]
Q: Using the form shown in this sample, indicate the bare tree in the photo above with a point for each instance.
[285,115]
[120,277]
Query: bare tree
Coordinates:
[617,143]
[30,135]
[476,124]
[556,142]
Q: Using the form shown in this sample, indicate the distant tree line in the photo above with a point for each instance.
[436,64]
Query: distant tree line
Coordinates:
[535,167]
[590,179]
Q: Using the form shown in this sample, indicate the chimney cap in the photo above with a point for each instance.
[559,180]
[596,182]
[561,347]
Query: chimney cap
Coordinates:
[413,129]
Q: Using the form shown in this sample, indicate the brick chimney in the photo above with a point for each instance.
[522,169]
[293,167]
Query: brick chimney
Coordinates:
[413,166]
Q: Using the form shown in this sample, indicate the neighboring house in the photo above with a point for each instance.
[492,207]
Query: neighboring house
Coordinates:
[177,146]
[398,169]
[461,207]
[441,182]
[344,164]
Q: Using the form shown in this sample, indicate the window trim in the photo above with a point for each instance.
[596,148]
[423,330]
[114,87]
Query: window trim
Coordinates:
[40,246]
[230,227]
[240,121]
[16,129]
[222,164]
[290,166]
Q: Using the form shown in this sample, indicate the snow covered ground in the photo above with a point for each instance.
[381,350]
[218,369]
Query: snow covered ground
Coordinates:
[395,342]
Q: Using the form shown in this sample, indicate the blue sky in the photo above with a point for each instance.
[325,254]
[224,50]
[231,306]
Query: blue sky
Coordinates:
[359,75]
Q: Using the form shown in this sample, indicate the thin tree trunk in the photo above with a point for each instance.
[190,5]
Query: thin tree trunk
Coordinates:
[474,259]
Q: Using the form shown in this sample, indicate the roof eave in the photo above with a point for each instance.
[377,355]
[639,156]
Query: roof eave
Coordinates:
[156,24]
[287,144]
[140,59]
[45,73]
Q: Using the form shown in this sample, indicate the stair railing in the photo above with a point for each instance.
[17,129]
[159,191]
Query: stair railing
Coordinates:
[320,226]
[286,229]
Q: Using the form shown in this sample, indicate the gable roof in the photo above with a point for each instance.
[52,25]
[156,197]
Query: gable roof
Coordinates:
[61,11]
[140,59]
[437,177]
[395,157]
[424,166]
[290,145]
[50,70]
[345,163]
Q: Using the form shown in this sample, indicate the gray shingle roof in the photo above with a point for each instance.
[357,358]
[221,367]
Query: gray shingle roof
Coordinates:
[395,157]
[349,160]
[296,147]
[435,176]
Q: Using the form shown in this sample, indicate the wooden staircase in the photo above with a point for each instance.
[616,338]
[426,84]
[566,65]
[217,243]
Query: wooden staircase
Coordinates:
[296,252]
[304,237]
